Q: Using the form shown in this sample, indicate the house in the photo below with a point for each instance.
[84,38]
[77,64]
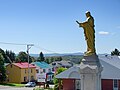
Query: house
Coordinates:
[43,71]
[110,76]
[64,64]
[18,72]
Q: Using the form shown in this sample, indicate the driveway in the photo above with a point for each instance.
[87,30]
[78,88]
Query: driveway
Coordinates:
[15,88]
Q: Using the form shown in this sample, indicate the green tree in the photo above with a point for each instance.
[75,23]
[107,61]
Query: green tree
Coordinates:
[56,82]
[115,52]
[41,57]
[4,56]
[2,69]
[47,60]
[10,56]
[23,57]
[58,59]
[51,59]
[32,59]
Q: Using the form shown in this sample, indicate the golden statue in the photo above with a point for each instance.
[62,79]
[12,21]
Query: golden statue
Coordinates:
[89,33]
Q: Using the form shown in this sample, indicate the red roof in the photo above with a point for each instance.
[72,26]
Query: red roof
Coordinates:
[24,65]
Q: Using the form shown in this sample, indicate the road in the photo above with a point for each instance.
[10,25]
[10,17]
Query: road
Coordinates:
[15,88]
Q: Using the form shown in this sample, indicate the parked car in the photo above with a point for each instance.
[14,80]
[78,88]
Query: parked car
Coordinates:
[30,84]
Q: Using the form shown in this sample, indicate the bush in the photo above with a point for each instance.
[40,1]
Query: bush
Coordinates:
[56,82]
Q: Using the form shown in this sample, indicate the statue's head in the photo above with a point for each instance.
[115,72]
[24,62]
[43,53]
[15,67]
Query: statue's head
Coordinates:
[87,13]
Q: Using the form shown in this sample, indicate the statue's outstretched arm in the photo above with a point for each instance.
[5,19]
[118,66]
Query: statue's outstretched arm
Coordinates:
[80,24]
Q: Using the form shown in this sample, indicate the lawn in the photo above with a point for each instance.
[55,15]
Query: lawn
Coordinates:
[12,84]
[43,89]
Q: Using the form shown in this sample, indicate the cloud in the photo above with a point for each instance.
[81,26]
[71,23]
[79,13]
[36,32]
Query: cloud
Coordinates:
[103,33]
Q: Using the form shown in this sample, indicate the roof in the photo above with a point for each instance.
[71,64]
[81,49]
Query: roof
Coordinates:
[42,64]
[113,60]
[111,69]
[73,73]
[23,65]
[62,63]
[111,66]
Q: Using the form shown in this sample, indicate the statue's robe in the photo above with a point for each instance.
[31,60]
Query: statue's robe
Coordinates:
[89,33]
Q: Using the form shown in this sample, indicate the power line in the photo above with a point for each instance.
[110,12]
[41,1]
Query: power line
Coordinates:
[36,46]
[12,43]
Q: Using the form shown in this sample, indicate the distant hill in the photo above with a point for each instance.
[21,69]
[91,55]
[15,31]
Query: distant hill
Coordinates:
[56,54]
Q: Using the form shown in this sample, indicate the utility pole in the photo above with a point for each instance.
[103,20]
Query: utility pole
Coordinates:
[28,48]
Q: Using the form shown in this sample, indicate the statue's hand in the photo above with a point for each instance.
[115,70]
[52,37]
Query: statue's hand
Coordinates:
[77,22]
[80,24]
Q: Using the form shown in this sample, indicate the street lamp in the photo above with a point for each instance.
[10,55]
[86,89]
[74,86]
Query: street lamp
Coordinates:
[28,48]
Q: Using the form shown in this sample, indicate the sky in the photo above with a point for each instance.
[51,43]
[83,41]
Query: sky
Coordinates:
[50,25]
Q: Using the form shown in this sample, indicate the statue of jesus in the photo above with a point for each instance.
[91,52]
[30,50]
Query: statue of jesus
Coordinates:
[89,33]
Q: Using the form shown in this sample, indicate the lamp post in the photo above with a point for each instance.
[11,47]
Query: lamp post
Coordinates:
[28,48]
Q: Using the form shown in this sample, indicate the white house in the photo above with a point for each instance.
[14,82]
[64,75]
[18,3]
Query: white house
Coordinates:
[43,71]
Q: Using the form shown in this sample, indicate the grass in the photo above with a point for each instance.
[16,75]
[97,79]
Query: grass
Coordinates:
[12,84]
[43,89]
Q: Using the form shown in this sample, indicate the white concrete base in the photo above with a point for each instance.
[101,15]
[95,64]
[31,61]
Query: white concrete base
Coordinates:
[90,71]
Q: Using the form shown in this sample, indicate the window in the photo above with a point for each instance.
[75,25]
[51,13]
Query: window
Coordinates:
[53,69]
[25,79]
[25,71]
[41,71]
[44,70]
[77,84]
[48,77]
[8,79]
[115,83]
[49,70]
[37,71]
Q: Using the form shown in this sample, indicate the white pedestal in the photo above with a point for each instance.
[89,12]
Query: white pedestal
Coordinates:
[90,71]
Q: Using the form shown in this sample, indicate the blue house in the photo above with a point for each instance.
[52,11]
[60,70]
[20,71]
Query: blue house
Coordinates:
[43,72]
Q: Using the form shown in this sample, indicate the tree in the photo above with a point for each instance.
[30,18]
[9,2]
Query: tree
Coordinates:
[47,61]
[115,52]
[41,57]
[56,82]
[58,59]
[10,56]
[23,57]
[2,69]
[32,59]
[52,59]
[4,56]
